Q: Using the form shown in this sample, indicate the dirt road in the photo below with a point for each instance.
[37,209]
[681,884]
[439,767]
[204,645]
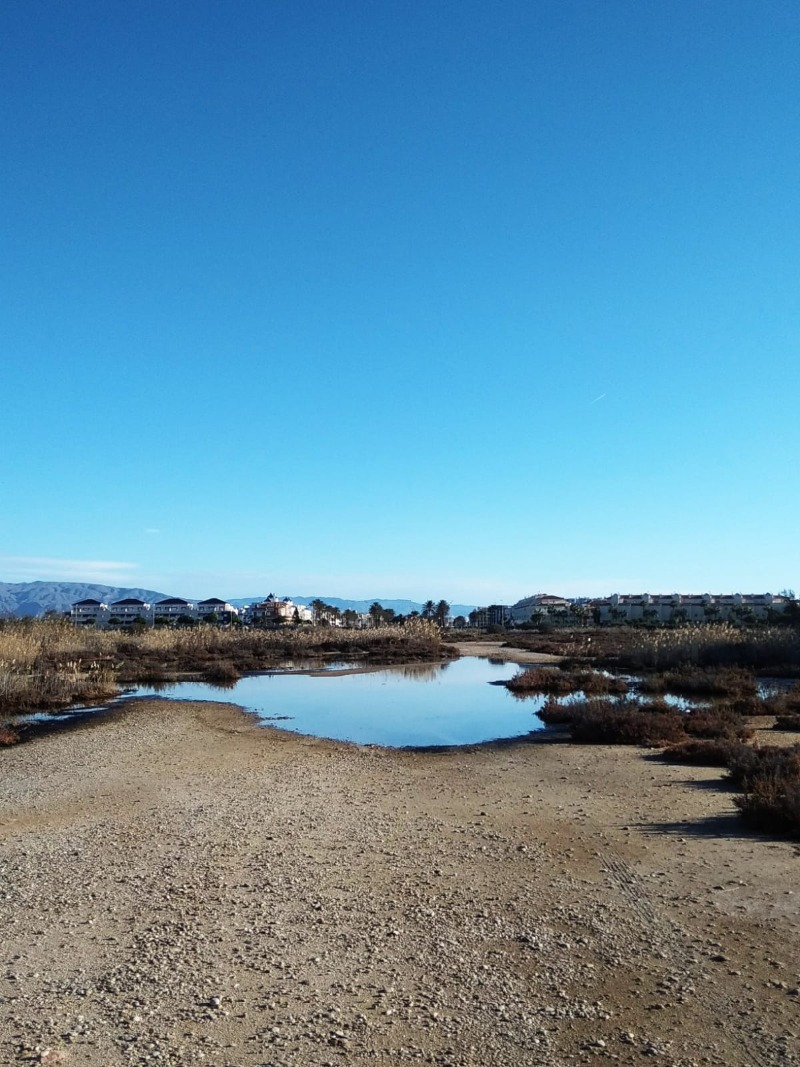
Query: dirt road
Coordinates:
[181,886]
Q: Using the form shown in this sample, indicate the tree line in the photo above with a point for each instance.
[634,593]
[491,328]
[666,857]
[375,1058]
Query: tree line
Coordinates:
[328,614]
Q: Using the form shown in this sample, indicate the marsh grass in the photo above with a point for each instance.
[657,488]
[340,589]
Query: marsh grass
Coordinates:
[789,723]
[557,682]
[49,663]
[699,682]
[610,722]
[613,723]
[717,723]
[770,779]
[40,687]
[774,648]
[707,753]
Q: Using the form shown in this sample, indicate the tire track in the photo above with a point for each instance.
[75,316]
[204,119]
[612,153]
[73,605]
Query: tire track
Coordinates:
[672,941]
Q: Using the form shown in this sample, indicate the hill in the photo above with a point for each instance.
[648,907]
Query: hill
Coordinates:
[36,598]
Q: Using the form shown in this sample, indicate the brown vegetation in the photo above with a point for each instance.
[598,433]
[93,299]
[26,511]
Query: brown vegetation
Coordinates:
[707,753]
[609,723]
[787,722]
[49,663]
[560,682]
[702,682]
[775,648]
[716,722]
[770,778]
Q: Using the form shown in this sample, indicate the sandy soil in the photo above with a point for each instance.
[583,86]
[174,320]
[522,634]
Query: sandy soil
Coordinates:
[495,649]
[181,886]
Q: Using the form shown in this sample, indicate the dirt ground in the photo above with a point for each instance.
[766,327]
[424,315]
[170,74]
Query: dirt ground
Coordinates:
[499,651]
[179,885]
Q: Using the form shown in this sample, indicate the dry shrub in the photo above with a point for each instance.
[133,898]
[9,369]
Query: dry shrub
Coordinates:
[609,723]
[708,753]
[772,802]
[555,714]
[30,688]
[749,707]
[222,674]
[787,703]
[657,706]
[560,682]
[8,735]
[787,722]
[769,761]
[50,663]
[702,682]
[717,722]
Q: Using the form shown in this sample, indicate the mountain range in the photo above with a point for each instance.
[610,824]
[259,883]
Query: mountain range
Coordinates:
[35,598]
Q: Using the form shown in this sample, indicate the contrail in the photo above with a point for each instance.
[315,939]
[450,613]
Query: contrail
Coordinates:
[596,399]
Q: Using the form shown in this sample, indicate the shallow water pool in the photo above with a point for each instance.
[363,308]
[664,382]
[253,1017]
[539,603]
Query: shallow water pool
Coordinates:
[418,704]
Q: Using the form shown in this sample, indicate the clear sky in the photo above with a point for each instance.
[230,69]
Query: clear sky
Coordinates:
[346,298]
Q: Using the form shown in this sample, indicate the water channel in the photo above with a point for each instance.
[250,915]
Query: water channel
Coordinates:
[416,704]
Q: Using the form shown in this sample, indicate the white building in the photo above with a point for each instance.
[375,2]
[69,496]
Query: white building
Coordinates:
[217,610]
[126,611]
[172,608]
[686,607]
[89,613]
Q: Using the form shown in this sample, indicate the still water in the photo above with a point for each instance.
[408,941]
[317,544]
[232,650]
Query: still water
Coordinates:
[420,704]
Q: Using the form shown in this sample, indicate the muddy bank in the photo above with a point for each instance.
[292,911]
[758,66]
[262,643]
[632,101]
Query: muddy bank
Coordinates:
[182,886]
[498,650]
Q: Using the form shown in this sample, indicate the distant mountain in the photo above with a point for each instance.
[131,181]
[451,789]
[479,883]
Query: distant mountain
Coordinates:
[35,598]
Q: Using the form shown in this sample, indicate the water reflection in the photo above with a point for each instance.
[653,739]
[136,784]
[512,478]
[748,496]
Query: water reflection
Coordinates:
[453,706]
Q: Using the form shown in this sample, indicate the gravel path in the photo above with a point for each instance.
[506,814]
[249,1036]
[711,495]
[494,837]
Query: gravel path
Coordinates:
[181,886]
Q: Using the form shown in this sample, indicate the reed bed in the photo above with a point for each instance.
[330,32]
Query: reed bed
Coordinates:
[722,645]
[49,663]
[25,689]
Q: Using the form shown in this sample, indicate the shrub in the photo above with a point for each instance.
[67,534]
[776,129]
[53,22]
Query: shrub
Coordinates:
[555,714]
[717,722]
[772,802]
[604,722]
[787,703]
[752,764]
[787,722]
[8,735]
[222,674]
[705,682]
[48,663]
[561,682]
[708,753]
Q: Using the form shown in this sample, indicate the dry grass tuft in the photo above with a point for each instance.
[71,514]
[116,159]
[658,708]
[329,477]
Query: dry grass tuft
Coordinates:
[49,663]
[560,682]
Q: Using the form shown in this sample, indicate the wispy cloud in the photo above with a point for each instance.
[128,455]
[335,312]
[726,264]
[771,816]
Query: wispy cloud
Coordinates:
[48,568]
[152,530]
[597,398]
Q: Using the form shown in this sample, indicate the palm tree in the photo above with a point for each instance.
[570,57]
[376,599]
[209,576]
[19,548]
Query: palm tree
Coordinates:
[441,612]
[428,610]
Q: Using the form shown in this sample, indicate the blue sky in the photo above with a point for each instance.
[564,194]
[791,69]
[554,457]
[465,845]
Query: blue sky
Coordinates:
[402,299]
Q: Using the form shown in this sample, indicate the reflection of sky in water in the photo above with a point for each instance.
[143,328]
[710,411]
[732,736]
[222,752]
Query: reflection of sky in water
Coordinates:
[416,704]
